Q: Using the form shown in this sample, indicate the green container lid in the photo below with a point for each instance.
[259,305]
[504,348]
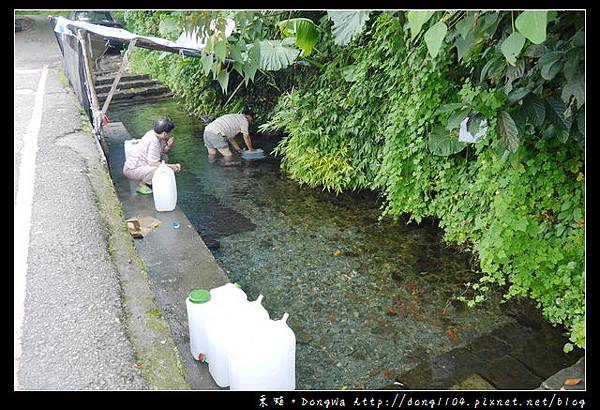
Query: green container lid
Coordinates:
[237,285]
[199,296]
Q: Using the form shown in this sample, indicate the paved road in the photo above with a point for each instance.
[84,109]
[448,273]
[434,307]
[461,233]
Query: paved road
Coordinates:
[67,292]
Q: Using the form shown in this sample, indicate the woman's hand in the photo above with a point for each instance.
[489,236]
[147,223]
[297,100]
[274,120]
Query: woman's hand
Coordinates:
[175,167]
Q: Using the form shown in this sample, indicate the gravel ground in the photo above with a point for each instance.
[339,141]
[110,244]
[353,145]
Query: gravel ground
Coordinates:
[73,334]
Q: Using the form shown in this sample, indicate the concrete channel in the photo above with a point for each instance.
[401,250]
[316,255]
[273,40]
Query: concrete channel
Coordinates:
[177,259]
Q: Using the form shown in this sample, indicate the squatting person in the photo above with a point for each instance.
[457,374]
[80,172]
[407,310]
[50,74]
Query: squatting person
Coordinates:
[148,154]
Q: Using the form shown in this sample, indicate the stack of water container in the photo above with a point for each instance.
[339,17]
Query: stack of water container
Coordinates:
[243,347]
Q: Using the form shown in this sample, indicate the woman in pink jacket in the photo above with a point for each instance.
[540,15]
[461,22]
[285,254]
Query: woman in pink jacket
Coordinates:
[148,154]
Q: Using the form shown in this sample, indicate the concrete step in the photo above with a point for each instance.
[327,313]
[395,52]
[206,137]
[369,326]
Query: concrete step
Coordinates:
[134,92]
[126,85]
[108,78]
[138,99]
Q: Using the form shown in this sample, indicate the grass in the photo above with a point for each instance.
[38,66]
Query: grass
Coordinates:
[64,13]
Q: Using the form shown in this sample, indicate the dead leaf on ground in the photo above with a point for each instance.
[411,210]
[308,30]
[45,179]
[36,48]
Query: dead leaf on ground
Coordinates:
[572,382]
[452,332]
[387,373]
[337,252]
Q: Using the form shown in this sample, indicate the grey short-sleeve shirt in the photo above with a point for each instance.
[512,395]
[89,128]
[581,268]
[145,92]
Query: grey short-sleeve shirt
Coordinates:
[229,125]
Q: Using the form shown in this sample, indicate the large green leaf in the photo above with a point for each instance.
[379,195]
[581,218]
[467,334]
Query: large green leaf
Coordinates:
[274,55]
[220,48]
[511,47]
[207,63]
[535,108]
[532,24]
[223,79]
[304,31]
[556,113]
[443,143]
[507,131]
[416,19]
[434,37]
[575,88]
[467,43]
[549,71]
[252,63]
[347,24]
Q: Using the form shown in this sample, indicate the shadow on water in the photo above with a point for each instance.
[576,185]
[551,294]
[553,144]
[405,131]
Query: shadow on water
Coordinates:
[371,301]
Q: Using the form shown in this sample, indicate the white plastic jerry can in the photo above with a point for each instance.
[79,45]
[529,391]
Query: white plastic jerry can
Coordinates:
[228,292]
[164,188]
[198,309]
[231,323]
[266,360]
[129,145]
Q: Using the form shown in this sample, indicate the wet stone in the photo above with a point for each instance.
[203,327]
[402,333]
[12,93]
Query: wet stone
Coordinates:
[545,357]
[488,347]
[458,363]
[427,376]
[507,373]
[514,335]
[473,382]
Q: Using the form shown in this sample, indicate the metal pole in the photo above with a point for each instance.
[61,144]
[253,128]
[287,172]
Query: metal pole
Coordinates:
[118,76]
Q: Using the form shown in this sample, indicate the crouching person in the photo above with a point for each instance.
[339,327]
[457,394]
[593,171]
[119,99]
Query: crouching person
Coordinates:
[147,155]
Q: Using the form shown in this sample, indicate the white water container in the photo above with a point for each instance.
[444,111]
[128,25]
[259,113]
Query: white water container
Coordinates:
[129,145]
[228,292]
[266,360]
[198,309]
[222,297]
[230,323]
[164,188]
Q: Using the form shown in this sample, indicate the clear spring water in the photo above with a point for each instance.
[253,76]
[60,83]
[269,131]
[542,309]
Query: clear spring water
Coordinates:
[370,301]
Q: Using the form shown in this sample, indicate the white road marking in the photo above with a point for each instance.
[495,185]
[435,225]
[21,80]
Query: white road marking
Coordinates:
[22,214]
[34,71]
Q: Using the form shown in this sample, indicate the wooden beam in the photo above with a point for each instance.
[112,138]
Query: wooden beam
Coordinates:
[90,81]
[118,76]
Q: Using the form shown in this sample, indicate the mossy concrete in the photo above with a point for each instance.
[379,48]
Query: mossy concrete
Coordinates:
[176,262]
[149,333]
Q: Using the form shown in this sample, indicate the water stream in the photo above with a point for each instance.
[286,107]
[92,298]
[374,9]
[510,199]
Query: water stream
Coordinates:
[370,301]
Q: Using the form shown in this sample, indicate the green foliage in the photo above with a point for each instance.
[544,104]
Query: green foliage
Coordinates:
[383,106]
[275,55]
[512,46]
[304,32]
[347,24]
[434,37]
[532,24]
[416,19]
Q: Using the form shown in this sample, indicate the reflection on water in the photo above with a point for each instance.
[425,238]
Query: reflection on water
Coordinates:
[370,301]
